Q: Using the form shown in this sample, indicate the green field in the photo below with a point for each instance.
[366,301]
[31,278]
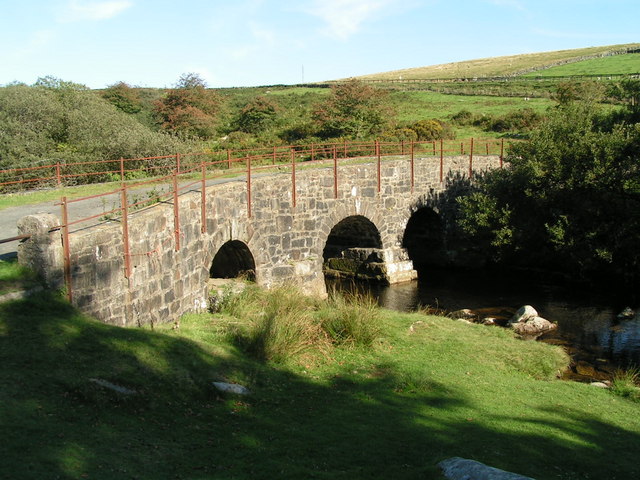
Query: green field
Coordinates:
[496,66]
[614,65]
[423,389]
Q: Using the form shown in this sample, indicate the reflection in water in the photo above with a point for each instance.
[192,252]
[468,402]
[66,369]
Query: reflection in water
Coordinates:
[585,322]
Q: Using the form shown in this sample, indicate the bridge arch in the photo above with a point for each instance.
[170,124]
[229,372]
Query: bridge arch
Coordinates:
[233,260]
[423,238]
[354,231]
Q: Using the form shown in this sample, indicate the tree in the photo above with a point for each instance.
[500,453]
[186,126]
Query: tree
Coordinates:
[569,197]
[123,97]
[354,110]
[189,109]
[257,115]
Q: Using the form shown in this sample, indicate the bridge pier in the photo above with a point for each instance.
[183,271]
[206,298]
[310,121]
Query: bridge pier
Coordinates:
[384,265]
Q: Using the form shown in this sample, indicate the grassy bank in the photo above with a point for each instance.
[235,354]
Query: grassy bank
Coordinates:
[367,394]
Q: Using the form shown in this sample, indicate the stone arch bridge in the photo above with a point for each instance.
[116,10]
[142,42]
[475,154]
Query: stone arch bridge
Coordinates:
[355,219]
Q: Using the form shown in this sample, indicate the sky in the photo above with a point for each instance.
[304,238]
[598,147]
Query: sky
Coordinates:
[239,43]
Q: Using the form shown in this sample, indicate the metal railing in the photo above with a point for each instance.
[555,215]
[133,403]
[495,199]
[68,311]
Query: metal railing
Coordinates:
[245,165]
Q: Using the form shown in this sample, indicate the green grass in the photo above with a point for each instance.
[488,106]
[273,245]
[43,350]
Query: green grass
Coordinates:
[495,66]
[15,277]
[615,65]
[426,389]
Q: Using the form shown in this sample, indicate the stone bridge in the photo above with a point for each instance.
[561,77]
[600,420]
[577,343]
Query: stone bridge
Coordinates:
[357,223]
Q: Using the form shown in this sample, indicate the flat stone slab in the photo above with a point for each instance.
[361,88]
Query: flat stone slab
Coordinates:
[457,468]
[231,388]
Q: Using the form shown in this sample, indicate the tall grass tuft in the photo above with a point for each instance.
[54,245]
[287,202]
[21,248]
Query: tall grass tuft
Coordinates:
[281,323]
[353,319]
[626,383]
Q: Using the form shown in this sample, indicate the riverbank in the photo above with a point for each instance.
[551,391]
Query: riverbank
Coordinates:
[81,399]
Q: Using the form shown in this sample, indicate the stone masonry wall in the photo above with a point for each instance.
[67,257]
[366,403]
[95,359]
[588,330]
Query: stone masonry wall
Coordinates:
[286,241]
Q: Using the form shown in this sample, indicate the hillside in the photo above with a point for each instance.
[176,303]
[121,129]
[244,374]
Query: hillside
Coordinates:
[511,65]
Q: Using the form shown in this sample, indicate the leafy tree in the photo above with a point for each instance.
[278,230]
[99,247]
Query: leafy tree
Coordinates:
[569,198]
[123,97]
[257,115]
[354,110]
[189,109]
[56,121]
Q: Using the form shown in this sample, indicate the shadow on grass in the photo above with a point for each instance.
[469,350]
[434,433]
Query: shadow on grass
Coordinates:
[365,423]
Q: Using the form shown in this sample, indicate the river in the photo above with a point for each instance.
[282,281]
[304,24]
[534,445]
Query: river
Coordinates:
[589,326]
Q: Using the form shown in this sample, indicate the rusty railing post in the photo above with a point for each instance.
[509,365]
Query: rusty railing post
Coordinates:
[121,169]
[293,178]
[335,173]
[379,162]
[501,151]
[176,212]
[471,159]
[66,248]
[178,163]
[441,160]
[124,206]
[274,155]
[58,179]
[203,201]
[249,186]
[313,153]
[412,166]
[228,159]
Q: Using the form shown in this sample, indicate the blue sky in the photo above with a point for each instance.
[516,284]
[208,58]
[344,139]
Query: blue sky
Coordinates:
[264,42]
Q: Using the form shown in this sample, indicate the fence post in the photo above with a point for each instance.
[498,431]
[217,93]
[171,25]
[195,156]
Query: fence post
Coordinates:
[122,169]
[66,248]
[402,147]
[274,154]
[501,151]
[176,212]
[293,178]
[441,160]
[178,163]
[229,159]
[471,159]
[345,149]
[312,153]
[58,180]
[203,201]
[124,206]
[249,186]
[434,147]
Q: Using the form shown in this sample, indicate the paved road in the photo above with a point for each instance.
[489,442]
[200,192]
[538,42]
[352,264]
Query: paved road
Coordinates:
[96,206]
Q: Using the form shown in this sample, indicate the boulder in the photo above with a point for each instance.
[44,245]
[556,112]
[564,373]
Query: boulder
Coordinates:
[524,314]
[457,468]
[533,326]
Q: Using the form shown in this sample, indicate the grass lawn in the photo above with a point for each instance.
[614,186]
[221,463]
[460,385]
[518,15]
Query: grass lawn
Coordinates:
[422,390]
[14,277]
[615,65]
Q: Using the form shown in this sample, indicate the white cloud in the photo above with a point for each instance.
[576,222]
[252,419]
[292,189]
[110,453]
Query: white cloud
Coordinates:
[344,18]
[80,10]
